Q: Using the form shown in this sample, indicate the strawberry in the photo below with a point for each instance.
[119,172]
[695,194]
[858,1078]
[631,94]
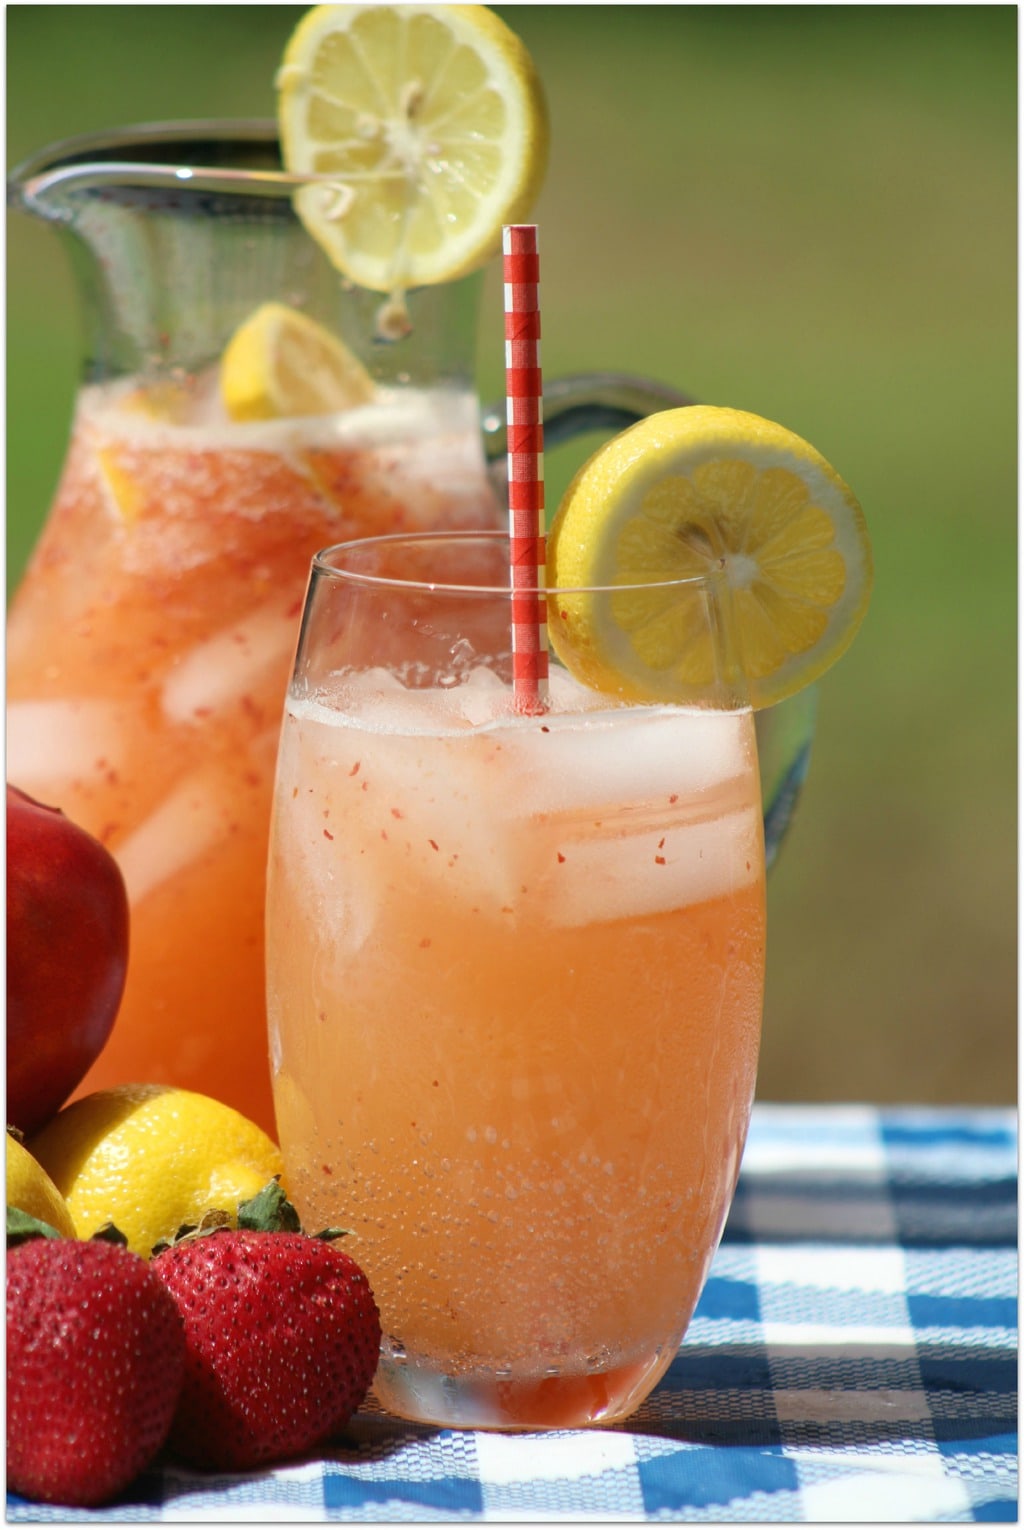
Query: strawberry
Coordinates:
[282,1336]
[95,1360]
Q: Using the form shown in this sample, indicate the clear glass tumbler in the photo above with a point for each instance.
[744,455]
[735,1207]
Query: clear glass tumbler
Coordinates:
[515,977]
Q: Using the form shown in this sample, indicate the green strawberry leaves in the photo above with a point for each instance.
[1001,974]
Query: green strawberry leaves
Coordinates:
[21,1227]
[269,1210]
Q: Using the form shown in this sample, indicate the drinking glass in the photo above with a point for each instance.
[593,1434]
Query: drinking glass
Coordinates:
[515,969]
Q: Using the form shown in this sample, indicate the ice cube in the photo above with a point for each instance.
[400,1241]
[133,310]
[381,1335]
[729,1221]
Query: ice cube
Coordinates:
[590,761]
[376,701]
[51,742]
[221,670]
[187,823]
[370,701]
[425,782]
[626,876]
[482,698]
[481,809]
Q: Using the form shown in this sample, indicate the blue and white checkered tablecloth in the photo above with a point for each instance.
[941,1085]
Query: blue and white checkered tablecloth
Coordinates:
[853,1358]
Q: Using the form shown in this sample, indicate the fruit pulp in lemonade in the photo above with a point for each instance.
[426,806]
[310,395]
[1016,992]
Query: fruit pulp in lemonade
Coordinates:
[515,972]
[149,649]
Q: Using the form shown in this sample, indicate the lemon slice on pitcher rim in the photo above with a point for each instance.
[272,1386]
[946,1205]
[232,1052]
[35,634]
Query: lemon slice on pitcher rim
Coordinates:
[428,122]
[680,494]
[280,364]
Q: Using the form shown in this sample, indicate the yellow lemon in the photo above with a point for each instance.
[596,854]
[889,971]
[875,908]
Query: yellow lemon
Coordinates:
[680,494]
[281,364]
[150,1158]
[429,127]
[31,1190]
[163,402]
[125,494]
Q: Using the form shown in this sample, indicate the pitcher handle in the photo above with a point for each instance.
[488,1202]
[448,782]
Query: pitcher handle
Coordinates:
[580,403]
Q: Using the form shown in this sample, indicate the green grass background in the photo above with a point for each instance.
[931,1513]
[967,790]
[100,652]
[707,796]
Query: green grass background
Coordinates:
[809,212]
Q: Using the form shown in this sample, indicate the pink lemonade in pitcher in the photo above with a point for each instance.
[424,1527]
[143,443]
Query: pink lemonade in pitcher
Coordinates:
[149,648]
[248,401]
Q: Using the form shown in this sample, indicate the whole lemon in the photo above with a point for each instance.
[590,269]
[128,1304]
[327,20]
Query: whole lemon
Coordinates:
[31,1190]
[150,1158]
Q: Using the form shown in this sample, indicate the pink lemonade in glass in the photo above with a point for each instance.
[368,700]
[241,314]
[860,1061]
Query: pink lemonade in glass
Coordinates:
[515,970]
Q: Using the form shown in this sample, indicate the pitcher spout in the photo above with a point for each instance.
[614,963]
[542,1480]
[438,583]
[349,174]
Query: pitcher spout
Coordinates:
[177,232]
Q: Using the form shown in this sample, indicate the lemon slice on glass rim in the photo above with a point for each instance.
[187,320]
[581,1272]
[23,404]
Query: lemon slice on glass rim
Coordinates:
[280,363]
[428,123]
[678,495]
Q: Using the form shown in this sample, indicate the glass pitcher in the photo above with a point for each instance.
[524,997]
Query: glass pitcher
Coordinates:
[151,639]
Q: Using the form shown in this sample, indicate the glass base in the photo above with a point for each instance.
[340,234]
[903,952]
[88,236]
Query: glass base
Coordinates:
[491,1399]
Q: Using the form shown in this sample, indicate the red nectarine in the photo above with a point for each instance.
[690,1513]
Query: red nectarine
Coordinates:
[67,954]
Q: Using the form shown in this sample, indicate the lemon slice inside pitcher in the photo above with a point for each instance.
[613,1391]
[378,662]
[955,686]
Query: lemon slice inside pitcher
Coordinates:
[675,496]
[280,364]
[429,125]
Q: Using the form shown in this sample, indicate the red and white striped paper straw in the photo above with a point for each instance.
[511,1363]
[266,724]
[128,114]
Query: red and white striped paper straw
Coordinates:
[524,413]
